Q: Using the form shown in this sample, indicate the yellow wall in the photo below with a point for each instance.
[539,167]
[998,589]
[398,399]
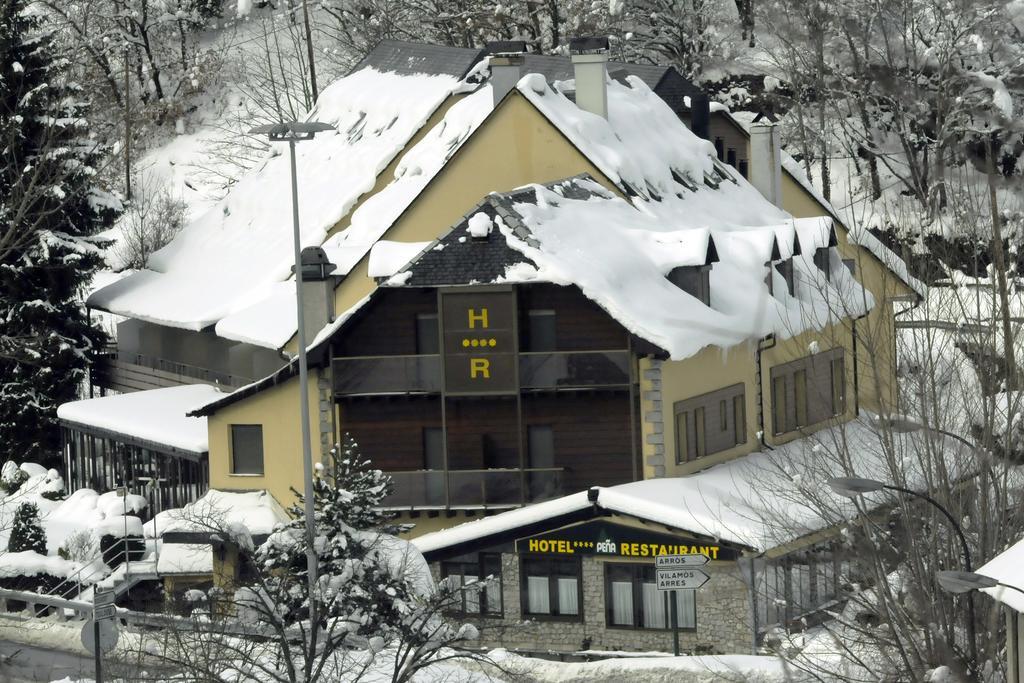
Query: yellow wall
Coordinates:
[876,334]
[277,409]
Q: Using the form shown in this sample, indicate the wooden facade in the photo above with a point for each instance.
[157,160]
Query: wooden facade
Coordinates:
[572,421]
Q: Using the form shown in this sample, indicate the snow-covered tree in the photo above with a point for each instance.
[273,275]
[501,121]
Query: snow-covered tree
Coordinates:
[50,211]
[27,532]
[378,614]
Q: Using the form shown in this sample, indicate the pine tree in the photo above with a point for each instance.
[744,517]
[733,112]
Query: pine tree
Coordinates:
[27,532]
[50,212]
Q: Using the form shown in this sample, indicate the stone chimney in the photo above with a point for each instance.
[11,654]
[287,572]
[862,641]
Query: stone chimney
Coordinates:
[590,64]
[700,115]
[317,291]
[506,66]
[766,161]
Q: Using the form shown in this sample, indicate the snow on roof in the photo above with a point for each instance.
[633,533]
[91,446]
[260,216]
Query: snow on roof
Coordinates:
[638,247]
[156,415]
[221,262]
[387,257]
[185,558]
[761,500]
[255,511]
[1006,568]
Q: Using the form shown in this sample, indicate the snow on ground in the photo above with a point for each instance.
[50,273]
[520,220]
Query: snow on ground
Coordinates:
[157,415]
[254,512]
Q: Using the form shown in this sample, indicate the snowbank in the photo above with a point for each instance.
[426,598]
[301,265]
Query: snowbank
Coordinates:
[157,415]
[254,512]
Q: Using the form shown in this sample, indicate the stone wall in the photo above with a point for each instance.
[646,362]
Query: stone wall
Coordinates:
[723,618]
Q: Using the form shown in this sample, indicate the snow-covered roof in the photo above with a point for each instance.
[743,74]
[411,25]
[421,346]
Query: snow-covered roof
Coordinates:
[1006,568]
[155,416]
[762,500]
[223,262]
[554,228]
[185,558]
[255,512]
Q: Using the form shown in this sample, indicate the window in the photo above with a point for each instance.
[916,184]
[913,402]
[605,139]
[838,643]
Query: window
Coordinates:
[851,265]
[710,423]
[433,448]
[785,269]
[730,157]
[694,280]
[632,600]
[247,449]
[823,260]
[799,584]
[808,390]
[427,341]
[540,454]
[744,168]
[541,332]
[474,598]
[551,588]
[719,148]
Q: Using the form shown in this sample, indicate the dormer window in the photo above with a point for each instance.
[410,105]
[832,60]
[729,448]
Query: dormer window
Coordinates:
[694,280]
[785,269]
[823,260]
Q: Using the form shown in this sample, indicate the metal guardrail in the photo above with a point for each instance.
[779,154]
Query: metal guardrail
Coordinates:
[123,370]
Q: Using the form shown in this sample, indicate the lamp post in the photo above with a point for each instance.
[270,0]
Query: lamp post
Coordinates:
[853,487]
[901,424]
[292,132]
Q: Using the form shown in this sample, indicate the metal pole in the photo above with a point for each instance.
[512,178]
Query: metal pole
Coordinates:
[972,644]
[307,456]
[675,625]
[97,659]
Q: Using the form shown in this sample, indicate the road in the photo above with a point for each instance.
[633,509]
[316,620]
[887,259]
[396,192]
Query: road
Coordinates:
[27,663]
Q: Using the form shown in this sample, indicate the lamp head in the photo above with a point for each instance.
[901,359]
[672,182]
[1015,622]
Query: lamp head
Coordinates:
[851,487]
[963,582]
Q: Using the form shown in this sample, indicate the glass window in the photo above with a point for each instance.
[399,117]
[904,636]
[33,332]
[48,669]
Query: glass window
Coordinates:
[247,449]
[800,397]
[694,280]
[838,386]
[851,265]
[823,260]
[541,330]
[476,597]
[427,334]
[551,587]
[433,448]
[633,600]
[540,446]
[682,436]
[785,269]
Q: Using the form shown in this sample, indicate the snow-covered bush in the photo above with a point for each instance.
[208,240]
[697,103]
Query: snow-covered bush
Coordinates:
[27,532]
[12,477]
[81,546]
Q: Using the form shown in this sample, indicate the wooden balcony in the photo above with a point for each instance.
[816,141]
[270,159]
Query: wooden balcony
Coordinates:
[382,375]
[127,372]
[489,488]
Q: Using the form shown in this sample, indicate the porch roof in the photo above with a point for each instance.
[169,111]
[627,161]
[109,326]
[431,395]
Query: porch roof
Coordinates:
[154,419]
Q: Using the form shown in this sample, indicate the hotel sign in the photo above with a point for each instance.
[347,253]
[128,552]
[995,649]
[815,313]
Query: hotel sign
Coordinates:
[479,342]
[600,537]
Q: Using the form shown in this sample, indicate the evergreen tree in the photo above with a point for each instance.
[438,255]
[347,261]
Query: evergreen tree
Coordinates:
[49,214]
[27,532]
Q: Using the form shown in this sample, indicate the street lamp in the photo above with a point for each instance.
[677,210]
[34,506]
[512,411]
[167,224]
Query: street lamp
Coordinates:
[852,487]
[902,424]
[965,582]
[292,132]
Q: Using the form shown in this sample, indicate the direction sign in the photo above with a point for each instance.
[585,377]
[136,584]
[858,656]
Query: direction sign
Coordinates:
[681,579]
[104,612]
[671,561]
[103,598]
[108,635]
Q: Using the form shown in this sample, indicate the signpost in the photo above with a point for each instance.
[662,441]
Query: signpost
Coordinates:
[676,573]
[99,634]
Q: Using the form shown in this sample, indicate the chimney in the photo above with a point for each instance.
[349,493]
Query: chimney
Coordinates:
[700,115]
[766,161]
[590,64]
[506,66]
[317,291]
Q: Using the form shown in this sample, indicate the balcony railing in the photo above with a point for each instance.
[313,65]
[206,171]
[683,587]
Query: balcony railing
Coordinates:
[575,369]
[387,375]
[369,375]
[474,488]
[126,372]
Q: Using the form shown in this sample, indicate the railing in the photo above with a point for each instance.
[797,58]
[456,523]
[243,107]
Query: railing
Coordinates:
[125,371]
[387,375]
[564,369]
[474,488]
